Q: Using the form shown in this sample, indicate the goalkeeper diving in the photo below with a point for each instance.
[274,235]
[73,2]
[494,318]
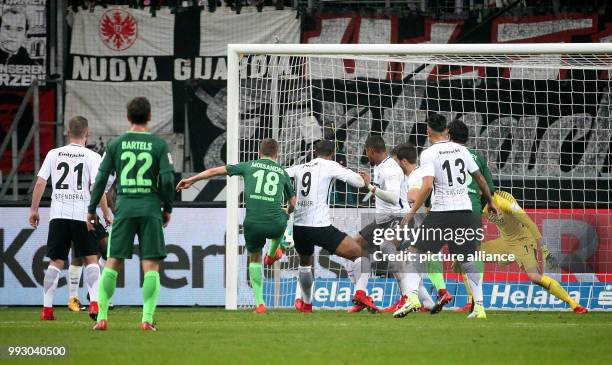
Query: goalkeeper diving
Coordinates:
[520,236]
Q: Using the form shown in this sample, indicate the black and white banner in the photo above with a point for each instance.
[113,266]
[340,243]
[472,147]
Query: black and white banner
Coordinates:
[119,53]
[23,42]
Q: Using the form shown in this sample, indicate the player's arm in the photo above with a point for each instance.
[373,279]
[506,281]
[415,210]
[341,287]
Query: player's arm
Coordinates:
[347,175]
[99,186]
[473,169]
[531,227]
[39,189]
[166,183]
[393,187]
[289,194]
[204,175]
[421,194]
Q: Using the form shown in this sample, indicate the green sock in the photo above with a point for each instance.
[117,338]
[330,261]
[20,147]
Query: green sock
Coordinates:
[106,288]
[273,246]
[435,273]
[150,292]
[255,274]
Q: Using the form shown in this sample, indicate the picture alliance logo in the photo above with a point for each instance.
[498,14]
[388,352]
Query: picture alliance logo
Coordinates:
[118,29]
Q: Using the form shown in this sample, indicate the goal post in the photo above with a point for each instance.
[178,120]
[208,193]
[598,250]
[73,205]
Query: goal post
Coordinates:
[450,76]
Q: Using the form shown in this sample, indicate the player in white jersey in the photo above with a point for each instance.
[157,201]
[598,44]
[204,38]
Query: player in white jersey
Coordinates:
[311,220]
[72,169]
[389,188]
[446,166]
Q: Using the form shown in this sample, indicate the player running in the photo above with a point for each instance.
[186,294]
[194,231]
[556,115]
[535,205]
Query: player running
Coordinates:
[446,166]
[73,169]
[312,224]
[520,236]
[145,193]
[265,184]
[389,188]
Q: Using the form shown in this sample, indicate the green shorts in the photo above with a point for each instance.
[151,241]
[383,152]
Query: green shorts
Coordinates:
[255,234]
[150,237]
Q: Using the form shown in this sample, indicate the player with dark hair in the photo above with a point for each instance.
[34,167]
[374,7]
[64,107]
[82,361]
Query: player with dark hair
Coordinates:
[389,189]
[459,133]
[145,193]
[265,185]
[312,223]
[446,165]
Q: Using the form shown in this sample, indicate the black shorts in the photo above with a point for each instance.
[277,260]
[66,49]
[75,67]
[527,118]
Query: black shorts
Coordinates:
[367,232]
[305,238]
[436,228]
[64,232]
[99,232]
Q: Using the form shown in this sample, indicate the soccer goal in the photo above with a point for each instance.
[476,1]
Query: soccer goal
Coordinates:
[539,113]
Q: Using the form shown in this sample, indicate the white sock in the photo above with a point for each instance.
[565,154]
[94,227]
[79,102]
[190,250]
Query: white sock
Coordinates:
[102,263]
[52,275]
[398,268]
[361,270]
[425,297]
[74,278]
[306,280]
[413,277]
[92,275]
[475,280]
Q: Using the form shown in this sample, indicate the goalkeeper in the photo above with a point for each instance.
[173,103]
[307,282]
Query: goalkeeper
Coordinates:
[265,183]
[519,236]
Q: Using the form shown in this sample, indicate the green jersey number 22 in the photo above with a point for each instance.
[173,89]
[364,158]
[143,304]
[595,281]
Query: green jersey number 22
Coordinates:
[131,158]
[270,186]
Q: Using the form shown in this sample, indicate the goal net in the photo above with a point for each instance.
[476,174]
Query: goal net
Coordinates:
[539,114]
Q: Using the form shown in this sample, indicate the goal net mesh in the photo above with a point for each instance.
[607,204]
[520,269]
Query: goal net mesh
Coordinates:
[542,122]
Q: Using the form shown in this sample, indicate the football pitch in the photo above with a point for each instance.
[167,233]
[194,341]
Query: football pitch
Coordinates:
[216,336]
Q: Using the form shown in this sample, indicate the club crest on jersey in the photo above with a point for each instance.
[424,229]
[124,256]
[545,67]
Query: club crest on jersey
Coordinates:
[118,29]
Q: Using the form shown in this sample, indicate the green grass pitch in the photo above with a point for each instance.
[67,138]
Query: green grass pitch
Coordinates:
[216,336]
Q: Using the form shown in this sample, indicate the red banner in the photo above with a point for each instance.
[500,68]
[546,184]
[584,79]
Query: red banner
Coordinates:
[9,104]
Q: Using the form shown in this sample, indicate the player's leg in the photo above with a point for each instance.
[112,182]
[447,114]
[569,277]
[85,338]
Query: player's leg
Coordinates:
[150,293]
[255,239]
[473,272]
[304,245]
[152,251]
[361,268]
[58,247]
[75,270]
[101,236]
[432,242]
[120,247]
[526,257]
[86,248]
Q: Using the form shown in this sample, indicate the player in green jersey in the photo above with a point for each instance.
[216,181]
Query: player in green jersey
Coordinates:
[459,133]
[145,193]
[265,184]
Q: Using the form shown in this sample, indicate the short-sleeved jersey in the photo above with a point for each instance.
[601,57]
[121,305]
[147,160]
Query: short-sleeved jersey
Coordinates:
[415,181]
[473,189]
[265,183]
[138,158]
[313,182]
[73,170]
[389,176]
[511,220]
[450,164]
